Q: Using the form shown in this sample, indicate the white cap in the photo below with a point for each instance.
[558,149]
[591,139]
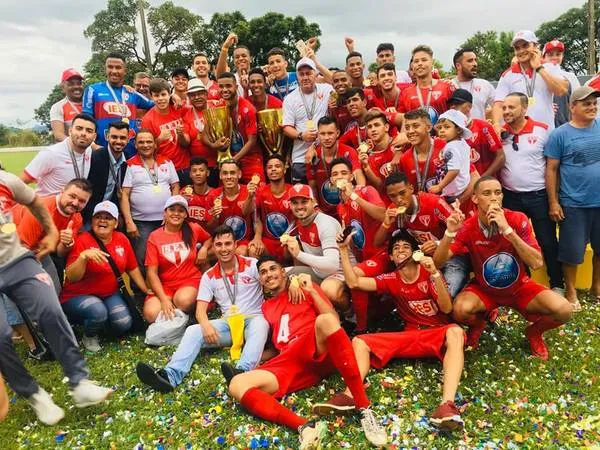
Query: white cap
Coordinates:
[524,35]
[306,62]
[176,200]
[459,119]
[107,207]
[195,85]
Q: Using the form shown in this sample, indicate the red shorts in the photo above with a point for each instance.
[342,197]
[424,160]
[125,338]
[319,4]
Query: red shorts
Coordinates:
[171,287]
[411,344]
[299,367]
[273,247]
[519,300]
[376,265]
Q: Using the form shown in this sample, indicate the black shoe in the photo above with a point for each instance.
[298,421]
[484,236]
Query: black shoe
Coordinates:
[40,354]
[156,379]
[229,371]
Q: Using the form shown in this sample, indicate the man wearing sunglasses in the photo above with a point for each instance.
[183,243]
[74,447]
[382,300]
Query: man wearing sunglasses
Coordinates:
[523,178]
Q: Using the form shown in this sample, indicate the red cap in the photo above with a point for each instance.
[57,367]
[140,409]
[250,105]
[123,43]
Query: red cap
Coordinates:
[301,190]
[70,73]
[553,45]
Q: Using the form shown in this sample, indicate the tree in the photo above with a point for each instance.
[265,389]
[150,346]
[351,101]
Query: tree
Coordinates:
[494,52]
[42,113]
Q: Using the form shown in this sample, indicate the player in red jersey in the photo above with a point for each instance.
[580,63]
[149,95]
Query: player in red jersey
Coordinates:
[273,215]
[201,67]
[232,205]
[257,82]
[197,193]
[389,91]
[318,164]
[423,302]
[376,163]
[500,244]
[427,93]
[311,346]
[337,101]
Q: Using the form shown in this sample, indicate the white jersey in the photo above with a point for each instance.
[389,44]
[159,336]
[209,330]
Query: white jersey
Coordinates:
[456,157]
[483,95]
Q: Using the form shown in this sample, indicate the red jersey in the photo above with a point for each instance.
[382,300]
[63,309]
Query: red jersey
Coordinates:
[440,93]
[170,149]
[232,212]
[99,279]
[193,125]
[175,261]
[484,144]
[274,212]
[351,213]
[498,268]
[244,123]
[214,93]
[198,205]
[378,162]
[342,117]
[356,135]
[319,171]
[290,321]
[379,101]
[416,302]
[272,103]
[407,165]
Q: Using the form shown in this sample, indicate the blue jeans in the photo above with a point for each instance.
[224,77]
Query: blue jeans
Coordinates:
[456,272]
[535,206]
[13,315]
[256,331]
[95,313]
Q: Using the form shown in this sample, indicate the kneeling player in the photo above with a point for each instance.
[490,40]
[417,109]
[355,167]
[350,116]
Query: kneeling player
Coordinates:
[311,346]
[423,302]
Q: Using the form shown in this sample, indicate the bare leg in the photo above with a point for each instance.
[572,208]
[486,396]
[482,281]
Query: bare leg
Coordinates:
[336,293]
[25,334]
[454,360]
[152,307]
[570,274]
[185,299]
[595,290]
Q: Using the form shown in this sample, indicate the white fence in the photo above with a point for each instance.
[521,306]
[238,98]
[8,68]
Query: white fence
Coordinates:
[21,149]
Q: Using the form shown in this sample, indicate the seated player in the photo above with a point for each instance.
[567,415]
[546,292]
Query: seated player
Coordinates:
[423,302]
[273,215]
[500,245]
[311,346]
[232,204]
[197,193]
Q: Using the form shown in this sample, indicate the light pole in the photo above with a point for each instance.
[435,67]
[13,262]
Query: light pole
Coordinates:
[591,38]
[147,55]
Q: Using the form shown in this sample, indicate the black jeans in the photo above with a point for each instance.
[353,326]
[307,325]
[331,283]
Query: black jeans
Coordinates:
[535,205]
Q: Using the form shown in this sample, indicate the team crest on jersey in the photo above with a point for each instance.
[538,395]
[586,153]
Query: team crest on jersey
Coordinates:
[238,225]
[44,278]
[175,253]
[501,270]
[477,88]
[371,263]
[474,155]
[425,219]
[313,237]
[188,190]
[436,94]
[423,286]
[330,194]
[359,239]
[120,251]
[277,223]
[532,140]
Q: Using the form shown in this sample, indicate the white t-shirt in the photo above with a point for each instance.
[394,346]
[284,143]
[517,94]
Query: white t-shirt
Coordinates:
[248,296]
[52,168]
[64,111]
[296,112]
[524,170]
[513,80]
[147,200]
[402,76]
[483,95]
[456,156]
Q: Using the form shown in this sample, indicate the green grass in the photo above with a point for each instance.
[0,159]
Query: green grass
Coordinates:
[509,400]
[15,162]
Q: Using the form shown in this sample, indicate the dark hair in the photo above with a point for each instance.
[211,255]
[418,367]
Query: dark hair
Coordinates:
[524,99]
[157,85]
[351,92]
[82,183]
[402,235]
[180,71]
[267,258]
[258,71]
[459,54]
[86,117]
[375,113]
[118,125]
[142,131]
[223,230]
[198,161]
[202,54]
[341,160]
[386,66]
[327,120]
[459,130]
[276,156]
[226,75]
[422,48]
[115,55]
[352,55]
[242,46]
[187,234]
[418,113]
[483,180]
[275,51]
[395,178]
[384,46]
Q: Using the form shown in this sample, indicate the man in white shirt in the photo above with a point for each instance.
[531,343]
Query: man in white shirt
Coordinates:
[523,178]
[465,62]
[232,281]
[302,109]
[63,111]
[55,166]
[539,82]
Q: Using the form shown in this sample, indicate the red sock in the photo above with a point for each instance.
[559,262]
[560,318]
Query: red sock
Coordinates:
[263,405]
[360,303]
[341,353]
[542,325]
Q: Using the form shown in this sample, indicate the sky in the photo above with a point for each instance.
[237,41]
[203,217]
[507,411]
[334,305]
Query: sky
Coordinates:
[41,38]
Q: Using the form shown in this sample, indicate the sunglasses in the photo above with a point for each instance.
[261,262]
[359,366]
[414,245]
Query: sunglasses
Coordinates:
[504,135]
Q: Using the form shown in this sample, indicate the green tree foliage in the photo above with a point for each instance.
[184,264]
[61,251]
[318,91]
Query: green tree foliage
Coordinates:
[42,113]
[493,50]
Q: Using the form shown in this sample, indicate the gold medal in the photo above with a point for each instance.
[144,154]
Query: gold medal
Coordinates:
[391,109]
[310,125]
[401,209]
[340,184]
[284,238]
[156,188]
[366,82]
[363,148]
[8,228]
[255,179]
[125,120]
[418,255]
[294,281]
[531,101]
[217,202]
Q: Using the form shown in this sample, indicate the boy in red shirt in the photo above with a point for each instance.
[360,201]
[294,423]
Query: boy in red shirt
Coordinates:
[198,192]
[376,162]
[311,346]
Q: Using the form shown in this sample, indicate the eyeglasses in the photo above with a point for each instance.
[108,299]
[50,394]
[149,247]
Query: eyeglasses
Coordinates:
[515,142]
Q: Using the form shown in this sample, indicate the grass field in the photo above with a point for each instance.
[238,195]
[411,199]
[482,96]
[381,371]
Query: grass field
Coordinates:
[509,400]
[16,162]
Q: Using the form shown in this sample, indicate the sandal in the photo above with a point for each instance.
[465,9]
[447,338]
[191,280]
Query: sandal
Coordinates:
[576,306]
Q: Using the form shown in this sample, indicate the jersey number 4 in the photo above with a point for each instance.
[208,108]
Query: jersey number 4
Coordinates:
[284,329]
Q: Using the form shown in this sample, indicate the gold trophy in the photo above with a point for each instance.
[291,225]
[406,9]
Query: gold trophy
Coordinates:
[271,134]
[218,125]
[235,319]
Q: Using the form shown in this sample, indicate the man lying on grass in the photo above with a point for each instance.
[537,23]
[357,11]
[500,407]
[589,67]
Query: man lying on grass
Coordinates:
[311,346]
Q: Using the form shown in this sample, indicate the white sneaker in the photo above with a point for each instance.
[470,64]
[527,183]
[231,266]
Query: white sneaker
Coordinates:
[91,343]
[560,291]
[88,393]
[45,409]
[374,432]
[311,435]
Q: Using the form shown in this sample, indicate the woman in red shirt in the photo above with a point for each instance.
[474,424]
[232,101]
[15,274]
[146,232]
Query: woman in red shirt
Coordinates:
[173,254]
[91,292]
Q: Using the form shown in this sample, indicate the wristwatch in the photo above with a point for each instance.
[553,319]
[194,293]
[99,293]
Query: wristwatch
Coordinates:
[539,68]
[299,136]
